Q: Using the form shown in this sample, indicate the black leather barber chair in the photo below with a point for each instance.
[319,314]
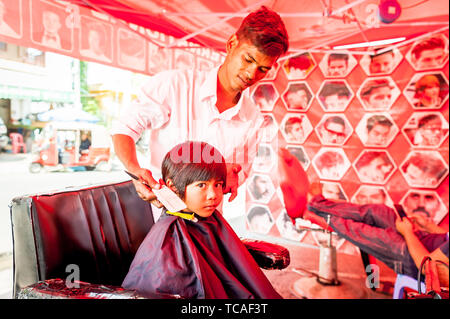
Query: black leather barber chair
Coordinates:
[79,243]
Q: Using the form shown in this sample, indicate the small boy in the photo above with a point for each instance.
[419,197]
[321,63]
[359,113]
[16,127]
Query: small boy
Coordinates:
[195,253]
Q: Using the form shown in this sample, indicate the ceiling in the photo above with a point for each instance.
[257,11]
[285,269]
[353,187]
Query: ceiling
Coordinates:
[313,25]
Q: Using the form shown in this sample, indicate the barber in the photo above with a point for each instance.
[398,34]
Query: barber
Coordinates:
[213,106]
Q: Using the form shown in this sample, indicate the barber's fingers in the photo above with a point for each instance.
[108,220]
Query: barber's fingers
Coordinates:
[234,193]
[146,176]
[157,203]
[143,191]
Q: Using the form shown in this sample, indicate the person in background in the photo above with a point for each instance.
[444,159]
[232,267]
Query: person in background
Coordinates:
[400,243]
[85,143]
[222,112]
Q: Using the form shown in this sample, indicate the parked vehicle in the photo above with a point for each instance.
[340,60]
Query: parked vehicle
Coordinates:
[60,145]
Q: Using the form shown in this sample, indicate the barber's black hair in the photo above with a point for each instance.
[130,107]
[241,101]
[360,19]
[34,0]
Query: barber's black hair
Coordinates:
[192,161]
[265,29]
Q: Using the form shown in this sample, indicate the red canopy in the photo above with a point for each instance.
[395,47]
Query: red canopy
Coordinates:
[312,25]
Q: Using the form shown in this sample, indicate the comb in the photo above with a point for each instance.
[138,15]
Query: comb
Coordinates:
[165,195]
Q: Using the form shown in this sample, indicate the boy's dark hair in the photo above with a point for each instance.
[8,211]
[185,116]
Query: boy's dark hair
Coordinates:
[191,161]
[265,30]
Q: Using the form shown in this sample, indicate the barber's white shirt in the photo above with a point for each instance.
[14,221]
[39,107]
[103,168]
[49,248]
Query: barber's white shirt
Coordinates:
[180,105]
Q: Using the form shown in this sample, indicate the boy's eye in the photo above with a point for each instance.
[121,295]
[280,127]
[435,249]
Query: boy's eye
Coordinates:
[201,185]
[219,184]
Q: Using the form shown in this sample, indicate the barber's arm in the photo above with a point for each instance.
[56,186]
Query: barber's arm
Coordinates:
[415,247]
[232,180]
[426,224]
[125,149]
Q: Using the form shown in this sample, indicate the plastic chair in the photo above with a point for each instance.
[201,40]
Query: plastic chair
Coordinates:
[17,143]
[403,282]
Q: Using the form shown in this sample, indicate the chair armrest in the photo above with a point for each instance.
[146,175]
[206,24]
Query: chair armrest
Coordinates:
[57,289]
[268,255]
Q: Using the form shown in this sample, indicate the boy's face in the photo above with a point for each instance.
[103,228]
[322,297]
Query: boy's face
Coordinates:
[203,197]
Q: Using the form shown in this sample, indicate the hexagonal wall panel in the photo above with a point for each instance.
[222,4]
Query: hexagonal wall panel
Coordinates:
[265,95]
[425,169]
[300,154]
[429,53]
[378,94]
[427,90]
[331,163]
[259,219]
[382,63]
[426,129]
[295,128]
[299,66]
[334,95]
[261,188]
[334,129]
[287,229]
[269,128]
[265,158]
[337,65]
[369,194]
[297,96]
[377,129]
[374,166]
[333,191]
[425,202]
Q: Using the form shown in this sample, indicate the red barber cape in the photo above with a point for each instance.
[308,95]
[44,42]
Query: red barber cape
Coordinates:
[203,259]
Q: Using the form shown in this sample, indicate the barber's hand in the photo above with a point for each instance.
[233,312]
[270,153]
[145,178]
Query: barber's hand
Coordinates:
[420,221]
[232,180]
[404,226]
[144,191]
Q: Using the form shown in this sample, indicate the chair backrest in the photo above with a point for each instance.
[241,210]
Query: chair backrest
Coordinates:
[94,231]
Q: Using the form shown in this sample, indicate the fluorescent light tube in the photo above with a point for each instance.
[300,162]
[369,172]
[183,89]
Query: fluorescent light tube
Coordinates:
[369,44]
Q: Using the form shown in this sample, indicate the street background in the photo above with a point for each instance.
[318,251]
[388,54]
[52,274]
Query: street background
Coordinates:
[16,181]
